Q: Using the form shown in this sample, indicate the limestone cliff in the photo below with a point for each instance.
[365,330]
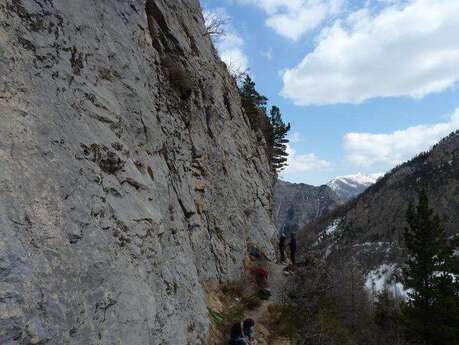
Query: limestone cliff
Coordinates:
[129,175]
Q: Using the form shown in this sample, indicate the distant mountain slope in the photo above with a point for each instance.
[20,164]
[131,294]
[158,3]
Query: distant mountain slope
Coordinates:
[370,227]
[308,202]
[348,187]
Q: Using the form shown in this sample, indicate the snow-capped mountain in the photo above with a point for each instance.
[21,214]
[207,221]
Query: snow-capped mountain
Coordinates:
[307,202]
[370,228]
[349,186]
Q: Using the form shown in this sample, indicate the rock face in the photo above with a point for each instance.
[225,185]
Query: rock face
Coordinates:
[129,176]
[307,202]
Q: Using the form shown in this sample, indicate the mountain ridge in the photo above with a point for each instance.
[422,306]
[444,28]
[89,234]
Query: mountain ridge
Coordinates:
[350,186]
[310,202]
[370,226]
[307,202]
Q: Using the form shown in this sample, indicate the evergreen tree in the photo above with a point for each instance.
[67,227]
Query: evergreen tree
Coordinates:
[278,141]
[272,127]
[254,105]
[252,101]
[386,318]
[432,312]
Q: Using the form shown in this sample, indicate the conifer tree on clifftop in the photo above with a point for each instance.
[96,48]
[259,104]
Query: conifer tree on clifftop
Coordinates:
[279,139]
[252,101]
[272,127]
[431,273]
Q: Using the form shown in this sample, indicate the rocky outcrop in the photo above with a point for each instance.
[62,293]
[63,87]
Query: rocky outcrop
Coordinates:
[129,176]
[305,202]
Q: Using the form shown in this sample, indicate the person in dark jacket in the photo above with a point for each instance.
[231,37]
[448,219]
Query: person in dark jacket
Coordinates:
[292,245]
[282,240]
[243,333]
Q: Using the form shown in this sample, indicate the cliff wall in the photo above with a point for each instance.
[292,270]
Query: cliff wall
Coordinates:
[129,175]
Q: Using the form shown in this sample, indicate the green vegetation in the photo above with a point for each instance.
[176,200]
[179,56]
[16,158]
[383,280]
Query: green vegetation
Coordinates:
[278,141]
[432,313]
[273,128]
[429,316]
[333,307]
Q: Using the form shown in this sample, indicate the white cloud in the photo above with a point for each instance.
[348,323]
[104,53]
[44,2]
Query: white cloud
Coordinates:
[368,149]
[408,49]
[230,45]
[298,163]
[294,138]
[294,18]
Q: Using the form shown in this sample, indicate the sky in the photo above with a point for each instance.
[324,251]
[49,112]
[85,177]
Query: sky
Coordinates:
[365,84]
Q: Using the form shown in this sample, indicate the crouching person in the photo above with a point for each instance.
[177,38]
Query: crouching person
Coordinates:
[243,333]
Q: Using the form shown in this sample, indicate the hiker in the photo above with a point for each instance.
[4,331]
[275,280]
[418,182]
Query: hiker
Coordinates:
[243,333]
[292,245]
[282,247]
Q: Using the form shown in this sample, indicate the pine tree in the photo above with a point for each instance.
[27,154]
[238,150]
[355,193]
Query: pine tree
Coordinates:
[432,312]
[278,141]
[272,127]
[254,105]
[252,101]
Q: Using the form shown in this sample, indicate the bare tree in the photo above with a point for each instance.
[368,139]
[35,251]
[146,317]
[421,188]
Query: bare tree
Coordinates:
[216,23]
[237,71]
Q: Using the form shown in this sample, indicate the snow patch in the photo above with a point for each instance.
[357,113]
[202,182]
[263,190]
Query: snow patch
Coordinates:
[385,278]
[331,229]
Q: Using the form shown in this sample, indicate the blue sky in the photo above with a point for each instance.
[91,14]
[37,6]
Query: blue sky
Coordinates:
[364,84]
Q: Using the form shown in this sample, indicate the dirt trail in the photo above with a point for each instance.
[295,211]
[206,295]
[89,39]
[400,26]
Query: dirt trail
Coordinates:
[231,305]
[278,282]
